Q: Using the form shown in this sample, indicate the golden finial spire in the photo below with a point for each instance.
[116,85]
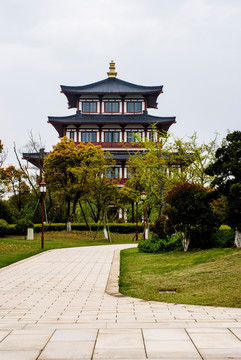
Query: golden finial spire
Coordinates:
[112,72]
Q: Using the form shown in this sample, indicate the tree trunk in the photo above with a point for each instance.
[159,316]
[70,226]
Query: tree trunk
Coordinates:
[237,240]
[185,241]
[132,212]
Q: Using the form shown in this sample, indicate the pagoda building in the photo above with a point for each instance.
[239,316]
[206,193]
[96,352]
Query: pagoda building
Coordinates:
[112,113]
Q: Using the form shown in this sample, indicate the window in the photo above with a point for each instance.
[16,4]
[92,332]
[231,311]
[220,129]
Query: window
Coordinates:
[151,136]
[112,173]
[134,136]
[112,107]
[71,135]
[89,136]
[134,107]
[89,107]
[111,136]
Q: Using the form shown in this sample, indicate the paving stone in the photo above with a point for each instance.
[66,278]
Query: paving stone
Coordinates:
[215,340]
[182,350]
[237,332]
[165,334]
[67,350]
[221,354]
[74,335]
[19,355]
[24,342]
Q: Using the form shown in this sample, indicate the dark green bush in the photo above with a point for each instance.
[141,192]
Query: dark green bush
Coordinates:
[162,227]
[119,228]
[3,227]
[223,238]
[22,225]
[155,245]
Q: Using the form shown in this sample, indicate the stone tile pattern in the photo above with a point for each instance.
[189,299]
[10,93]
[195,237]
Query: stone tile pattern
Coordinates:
[65,304]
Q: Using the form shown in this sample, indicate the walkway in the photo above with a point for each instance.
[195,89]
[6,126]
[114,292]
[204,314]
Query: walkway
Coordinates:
[56,306]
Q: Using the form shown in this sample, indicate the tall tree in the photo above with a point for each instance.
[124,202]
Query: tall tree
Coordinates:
[14,181]
[189,209]
[70,169]
[227,179]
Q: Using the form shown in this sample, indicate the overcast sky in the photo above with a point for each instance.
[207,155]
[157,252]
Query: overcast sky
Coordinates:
[192,47]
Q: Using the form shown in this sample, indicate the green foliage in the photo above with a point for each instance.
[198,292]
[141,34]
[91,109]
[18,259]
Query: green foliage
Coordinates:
[227,172]
[22,225]
[227,167]
[3,227]
[223,238]
[74,172]
[155,244]
[5,212]
[234,206]
[190,212]
[162,227]
[115,228]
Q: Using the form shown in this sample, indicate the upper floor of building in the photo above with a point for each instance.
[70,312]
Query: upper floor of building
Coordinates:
[112,96]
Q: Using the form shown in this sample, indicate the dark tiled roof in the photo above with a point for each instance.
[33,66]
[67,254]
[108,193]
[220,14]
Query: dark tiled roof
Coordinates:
[112,86]
[79,119]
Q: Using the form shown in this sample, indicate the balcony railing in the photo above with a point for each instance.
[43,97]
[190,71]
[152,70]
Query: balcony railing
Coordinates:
[116,144]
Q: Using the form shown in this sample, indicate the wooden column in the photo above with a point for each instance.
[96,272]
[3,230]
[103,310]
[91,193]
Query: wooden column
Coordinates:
[100,97]
[122,104]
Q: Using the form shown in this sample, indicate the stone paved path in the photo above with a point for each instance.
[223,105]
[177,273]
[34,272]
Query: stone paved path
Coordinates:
[64,304]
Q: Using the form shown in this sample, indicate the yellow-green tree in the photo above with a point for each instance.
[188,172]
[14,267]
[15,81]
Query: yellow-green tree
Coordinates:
[71,170]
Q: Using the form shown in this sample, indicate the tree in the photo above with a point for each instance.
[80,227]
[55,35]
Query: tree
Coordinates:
[71,169]
[227,179]
[189,210]
[195,157]
[3,154]
[169,161]
[14,181]
[151,171]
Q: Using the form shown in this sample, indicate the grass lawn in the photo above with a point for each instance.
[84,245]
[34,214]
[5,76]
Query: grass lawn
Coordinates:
[16,248]
[206,277]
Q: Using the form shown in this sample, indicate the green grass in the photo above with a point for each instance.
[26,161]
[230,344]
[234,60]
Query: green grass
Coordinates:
[15,248]
[205,277]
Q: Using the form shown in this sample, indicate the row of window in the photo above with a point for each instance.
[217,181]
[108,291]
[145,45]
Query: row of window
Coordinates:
[111,107]
[109,136]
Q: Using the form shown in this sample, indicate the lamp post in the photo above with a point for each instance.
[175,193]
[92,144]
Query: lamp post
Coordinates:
[136,220]
[143,198]
[42,189]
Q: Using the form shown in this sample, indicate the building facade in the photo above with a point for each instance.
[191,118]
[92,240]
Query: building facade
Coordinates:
[111,113]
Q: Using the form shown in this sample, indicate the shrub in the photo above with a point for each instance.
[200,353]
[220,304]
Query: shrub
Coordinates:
[119,228]
[5,212]
[162,227]
[155,245]
[22,225]
[190,212]
[3,227]
[223,237]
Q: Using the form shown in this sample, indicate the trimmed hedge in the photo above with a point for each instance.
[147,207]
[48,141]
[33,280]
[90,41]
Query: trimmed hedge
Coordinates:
[124,228]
